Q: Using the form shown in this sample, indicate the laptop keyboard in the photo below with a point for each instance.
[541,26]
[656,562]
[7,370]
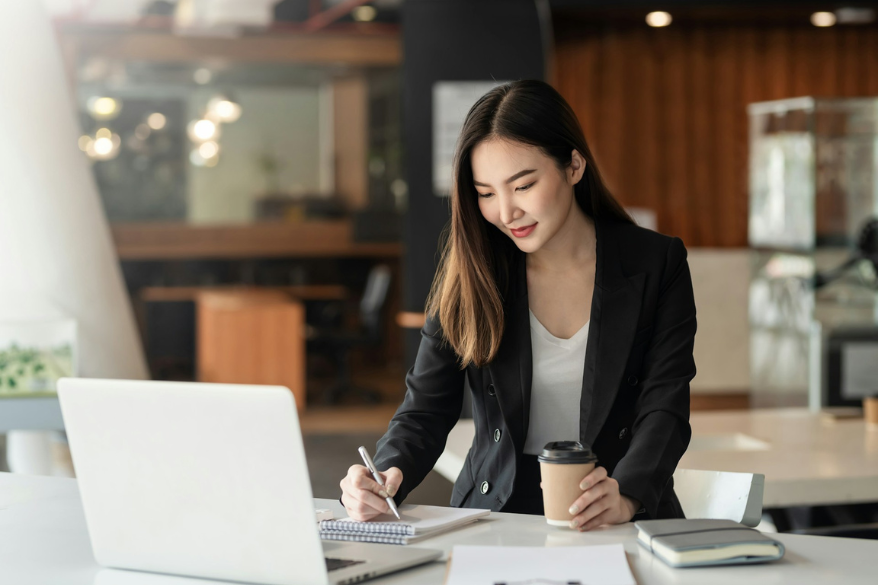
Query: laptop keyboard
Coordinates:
[335,564]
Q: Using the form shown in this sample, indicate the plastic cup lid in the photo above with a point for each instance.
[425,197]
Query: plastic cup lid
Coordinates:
[567,452]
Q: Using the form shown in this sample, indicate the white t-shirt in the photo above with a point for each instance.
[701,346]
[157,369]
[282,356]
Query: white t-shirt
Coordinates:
[556,386]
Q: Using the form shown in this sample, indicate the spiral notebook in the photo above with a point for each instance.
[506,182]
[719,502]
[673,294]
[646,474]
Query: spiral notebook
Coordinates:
[416,523]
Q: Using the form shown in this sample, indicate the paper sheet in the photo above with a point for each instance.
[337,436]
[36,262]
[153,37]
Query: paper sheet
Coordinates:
[428,518]
[525,565]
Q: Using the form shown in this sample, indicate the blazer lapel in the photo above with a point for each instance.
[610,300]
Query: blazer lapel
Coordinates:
[615,312]
[512,367]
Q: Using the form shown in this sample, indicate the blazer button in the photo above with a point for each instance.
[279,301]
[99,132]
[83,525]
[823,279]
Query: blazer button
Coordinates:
[632,380]
[497,435]
[484,487]
[491,391]
[623,433]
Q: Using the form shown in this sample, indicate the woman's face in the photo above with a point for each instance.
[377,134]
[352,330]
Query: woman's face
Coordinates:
[522,191]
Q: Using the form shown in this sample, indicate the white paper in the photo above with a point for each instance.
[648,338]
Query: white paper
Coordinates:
[429,518]
[486,565]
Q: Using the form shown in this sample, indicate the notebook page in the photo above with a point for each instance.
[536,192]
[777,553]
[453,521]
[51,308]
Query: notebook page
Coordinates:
[414,520]
[476,565]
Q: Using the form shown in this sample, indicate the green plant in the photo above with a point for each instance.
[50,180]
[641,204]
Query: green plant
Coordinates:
[26,370]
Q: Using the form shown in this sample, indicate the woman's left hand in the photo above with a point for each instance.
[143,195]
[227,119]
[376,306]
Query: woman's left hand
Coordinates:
[601,503]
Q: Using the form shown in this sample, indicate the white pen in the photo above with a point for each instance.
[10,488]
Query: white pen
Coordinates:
[371,467]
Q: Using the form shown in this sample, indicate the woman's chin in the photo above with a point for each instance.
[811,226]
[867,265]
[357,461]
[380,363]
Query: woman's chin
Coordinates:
[527,245]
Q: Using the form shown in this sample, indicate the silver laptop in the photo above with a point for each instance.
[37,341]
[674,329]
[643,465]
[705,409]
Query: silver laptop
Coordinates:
[206,480]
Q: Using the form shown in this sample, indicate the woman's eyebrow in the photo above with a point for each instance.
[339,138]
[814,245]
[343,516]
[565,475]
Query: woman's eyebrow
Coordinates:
[517,175]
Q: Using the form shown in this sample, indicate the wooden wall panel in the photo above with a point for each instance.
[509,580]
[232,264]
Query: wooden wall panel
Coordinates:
[664,110]
[351,139]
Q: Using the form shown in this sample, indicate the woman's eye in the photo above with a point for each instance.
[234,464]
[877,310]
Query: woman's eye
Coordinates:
[525,187]
[485,195]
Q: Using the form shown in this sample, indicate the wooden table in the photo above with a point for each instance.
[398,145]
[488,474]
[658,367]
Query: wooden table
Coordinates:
[266,239]
[306,292]
[282,364]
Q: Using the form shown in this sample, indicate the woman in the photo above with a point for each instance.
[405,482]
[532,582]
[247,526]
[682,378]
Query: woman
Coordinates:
[568,321]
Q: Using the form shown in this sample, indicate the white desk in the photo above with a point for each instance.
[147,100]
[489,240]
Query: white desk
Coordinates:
[806,460]
[43,541]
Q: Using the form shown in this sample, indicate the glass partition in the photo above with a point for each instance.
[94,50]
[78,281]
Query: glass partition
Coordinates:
[813,187]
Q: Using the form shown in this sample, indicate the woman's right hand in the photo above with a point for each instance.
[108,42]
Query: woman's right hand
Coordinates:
[363,497]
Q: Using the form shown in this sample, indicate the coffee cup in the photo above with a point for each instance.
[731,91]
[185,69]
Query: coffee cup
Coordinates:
[563,466]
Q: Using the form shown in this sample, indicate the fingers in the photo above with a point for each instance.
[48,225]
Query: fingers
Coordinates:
[599,505]
[593,510]
[588,498]
[366,508]
[361,479]
[392,480]
[605,517]
[591,482]
[362,496]
[597,475]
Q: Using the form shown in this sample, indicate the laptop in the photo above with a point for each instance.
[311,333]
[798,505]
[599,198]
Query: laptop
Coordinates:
[206,480]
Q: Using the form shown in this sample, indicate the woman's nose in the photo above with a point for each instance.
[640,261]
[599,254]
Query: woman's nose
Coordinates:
[508,211]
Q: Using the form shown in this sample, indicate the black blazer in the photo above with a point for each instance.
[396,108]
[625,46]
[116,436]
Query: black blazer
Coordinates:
[634,410]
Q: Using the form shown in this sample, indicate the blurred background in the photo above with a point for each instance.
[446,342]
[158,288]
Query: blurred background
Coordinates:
[253,191]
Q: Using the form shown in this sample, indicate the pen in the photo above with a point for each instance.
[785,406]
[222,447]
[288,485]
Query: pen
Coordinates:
[371,467]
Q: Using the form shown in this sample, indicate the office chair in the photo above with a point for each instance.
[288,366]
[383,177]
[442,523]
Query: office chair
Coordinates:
[720,495]
[339,342]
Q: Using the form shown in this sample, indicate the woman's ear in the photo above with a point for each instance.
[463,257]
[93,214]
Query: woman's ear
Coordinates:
[576,168]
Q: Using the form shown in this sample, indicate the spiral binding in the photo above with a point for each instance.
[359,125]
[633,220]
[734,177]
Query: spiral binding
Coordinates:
[348,527]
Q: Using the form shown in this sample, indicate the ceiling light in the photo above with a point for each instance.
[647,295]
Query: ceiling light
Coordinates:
[203,130]
[103,147]
[197,158]
[823,19]
[84,141]
[202,76]
[156,121]
[208,150]
[103,108]
[364,13]
[658,19]
[225,110]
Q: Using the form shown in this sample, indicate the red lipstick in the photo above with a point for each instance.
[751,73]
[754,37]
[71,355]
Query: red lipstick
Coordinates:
[524,232]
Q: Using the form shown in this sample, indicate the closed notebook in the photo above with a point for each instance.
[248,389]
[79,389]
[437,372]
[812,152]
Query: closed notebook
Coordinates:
[416,523]
[698,543]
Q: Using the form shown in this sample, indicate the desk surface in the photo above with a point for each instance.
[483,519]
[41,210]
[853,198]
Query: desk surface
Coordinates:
[806,458]
[43,540]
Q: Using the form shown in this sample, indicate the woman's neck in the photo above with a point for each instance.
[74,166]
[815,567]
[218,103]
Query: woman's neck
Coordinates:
[571,247]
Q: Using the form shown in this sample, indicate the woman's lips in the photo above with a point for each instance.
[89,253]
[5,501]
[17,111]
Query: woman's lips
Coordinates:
[523,232]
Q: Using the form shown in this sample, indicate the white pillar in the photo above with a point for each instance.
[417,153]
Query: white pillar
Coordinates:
[56,254]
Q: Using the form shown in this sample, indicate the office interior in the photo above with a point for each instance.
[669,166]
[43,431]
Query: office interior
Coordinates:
[253,192]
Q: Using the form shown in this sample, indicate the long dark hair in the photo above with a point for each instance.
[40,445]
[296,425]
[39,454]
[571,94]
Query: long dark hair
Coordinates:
[474,273]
